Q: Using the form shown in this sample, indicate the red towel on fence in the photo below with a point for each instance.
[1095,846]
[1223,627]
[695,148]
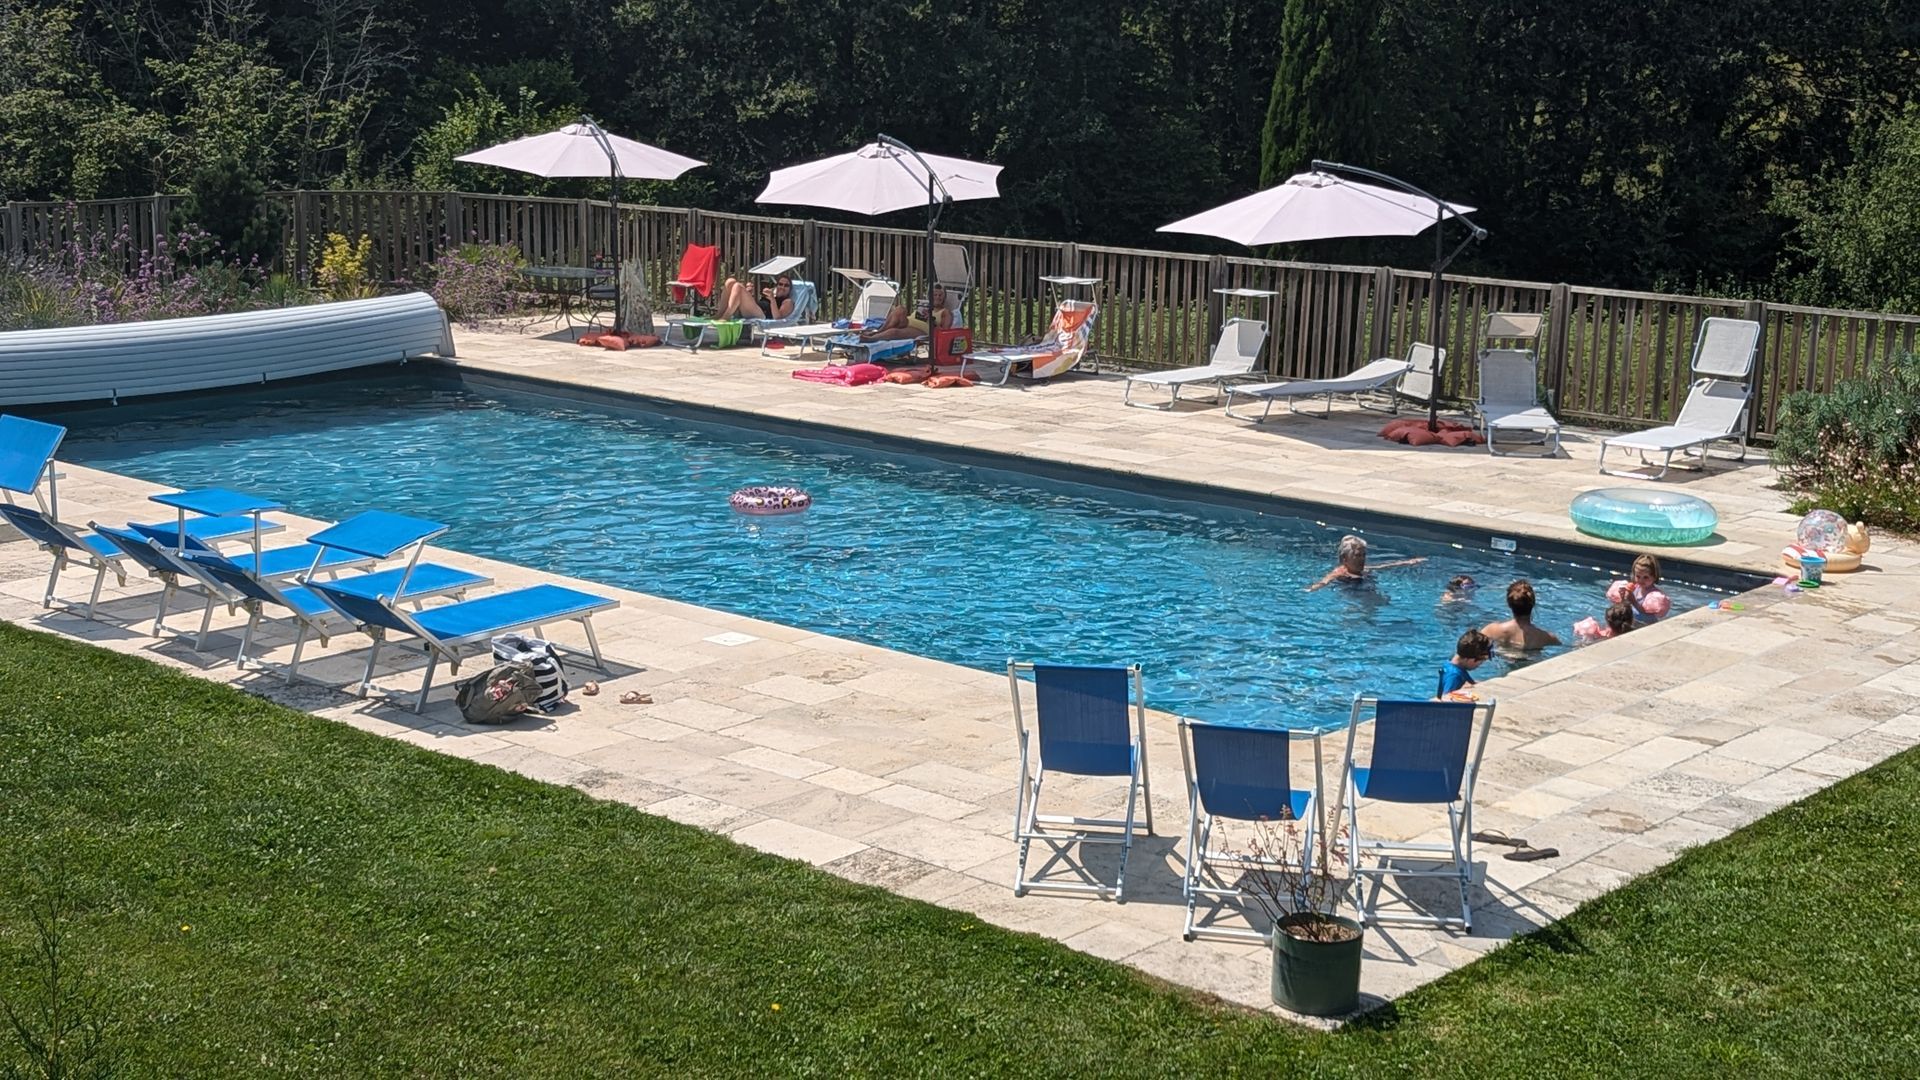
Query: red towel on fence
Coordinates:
[697,268]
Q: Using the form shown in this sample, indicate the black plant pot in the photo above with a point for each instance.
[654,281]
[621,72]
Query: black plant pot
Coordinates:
[1316,978]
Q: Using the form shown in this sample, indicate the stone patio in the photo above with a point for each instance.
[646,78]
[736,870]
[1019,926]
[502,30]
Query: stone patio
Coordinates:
[899,771]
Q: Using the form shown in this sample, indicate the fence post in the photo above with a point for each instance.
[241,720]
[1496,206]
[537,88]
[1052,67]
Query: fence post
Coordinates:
[586,232]
[1070,259]
[454,235]
[13,238]
[302,241]
[810,240]
[158,207]
[1216,304]
[1380,334]
[1756,311]
[1559,325]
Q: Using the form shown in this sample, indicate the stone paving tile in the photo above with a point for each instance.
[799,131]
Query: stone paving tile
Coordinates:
[1620,755]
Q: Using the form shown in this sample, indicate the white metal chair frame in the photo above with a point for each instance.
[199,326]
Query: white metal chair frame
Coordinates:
[1456,855]
[1508,415]
[1726,370]
[1030,825]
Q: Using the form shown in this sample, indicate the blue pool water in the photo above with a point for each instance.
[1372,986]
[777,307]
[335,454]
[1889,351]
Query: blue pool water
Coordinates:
[965,564]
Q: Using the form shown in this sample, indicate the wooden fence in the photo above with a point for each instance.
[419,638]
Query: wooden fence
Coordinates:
[1609,357]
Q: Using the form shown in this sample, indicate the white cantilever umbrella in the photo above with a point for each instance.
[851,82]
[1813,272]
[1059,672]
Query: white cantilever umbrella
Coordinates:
[1319,205]
[884,176]
[584,149]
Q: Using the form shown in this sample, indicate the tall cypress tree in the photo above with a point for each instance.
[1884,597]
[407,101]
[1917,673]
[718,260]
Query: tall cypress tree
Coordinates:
[1322,87]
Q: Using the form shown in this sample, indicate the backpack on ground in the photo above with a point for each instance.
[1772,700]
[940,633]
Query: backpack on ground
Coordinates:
[545,660]
[499,695]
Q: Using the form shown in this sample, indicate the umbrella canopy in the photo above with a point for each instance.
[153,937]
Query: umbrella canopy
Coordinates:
[577,150]
[877,178]
[1316,206]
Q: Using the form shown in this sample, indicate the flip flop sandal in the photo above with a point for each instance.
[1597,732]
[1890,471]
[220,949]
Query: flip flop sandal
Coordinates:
[635,697]
[589,689]
[1533,854]
[1499,838]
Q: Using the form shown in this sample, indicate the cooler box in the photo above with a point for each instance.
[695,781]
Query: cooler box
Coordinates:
[950,345]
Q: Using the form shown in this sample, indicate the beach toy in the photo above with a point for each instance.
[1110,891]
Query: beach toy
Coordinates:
[1644,516]
[770,500]
[1827,534]
[1812,566]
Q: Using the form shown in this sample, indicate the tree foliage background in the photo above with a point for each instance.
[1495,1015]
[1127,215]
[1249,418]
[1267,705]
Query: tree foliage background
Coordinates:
[1765,146]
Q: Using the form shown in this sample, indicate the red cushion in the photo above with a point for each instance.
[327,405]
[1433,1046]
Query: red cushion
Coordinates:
[1420,436]
[1456,437]
[614,342]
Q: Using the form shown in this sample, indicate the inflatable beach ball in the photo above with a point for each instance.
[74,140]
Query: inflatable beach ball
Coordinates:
[1821,530]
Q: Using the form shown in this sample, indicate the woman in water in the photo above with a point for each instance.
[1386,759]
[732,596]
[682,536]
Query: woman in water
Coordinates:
[1352,567]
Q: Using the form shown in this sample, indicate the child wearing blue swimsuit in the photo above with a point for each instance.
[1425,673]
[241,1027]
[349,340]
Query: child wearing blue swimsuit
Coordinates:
[1469,653]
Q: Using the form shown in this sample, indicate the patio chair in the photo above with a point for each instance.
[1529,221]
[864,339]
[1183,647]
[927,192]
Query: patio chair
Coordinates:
[1378,377]
[1081,727]
[1234,774]
[952,272]
[1425,753]
[26,459]
[1509,402]
[1716,407]
[67,546]
[441,632]
[693,334]
[1066,341]
[871,305]
[699,266]
[1235,354]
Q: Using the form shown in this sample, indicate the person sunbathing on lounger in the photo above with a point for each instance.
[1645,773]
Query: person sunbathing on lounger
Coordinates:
[737,300]
[1352,569]
[901,324]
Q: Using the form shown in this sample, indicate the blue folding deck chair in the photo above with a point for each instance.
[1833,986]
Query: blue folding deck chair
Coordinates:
[443,631]
[26,458]
[278,562]
[165,565]
[67,546]
[1081,727]
[1424,753]
[1235,774]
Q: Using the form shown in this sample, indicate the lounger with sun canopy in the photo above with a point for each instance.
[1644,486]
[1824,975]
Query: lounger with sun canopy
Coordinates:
[1236,774]
[1065,343]
[442,632]
[1235,355]
[26,460]
[382,535]
[68,546]
[1425,753]
[1376,377]
[1509,409]
[1087,722]
[1716,407]
[870,306]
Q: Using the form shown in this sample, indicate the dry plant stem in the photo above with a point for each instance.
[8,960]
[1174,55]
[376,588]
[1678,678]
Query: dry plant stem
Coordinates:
[1295,883]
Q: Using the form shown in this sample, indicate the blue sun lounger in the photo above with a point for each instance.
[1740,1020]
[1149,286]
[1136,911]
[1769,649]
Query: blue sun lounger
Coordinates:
[1236,774]
[164,564]
[380,535]
[279,562]
[67,546]
[311,613]
[443,631]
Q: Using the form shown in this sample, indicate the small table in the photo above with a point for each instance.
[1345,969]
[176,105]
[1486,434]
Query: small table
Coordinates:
[571,284]
[223,513]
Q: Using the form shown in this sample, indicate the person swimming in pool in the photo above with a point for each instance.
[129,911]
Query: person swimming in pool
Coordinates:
[1352,568]
[1520,632]
[901,324]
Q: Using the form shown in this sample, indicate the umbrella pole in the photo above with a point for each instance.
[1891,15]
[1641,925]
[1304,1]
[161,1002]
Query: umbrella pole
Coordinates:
[933,320]
[619,306]
[1433,300]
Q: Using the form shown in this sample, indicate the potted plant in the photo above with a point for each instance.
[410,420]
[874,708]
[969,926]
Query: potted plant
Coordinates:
[1316,953]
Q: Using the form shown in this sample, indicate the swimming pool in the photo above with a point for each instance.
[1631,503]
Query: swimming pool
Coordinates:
[964,563]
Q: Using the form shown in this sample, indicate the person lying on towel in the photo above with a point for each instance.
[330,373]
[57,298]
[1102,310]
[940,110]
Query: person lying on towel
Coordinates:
[900,324]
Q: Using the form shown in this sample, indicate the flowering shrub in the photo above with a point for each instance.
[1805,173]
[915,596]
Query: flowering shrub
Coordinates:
[106,278]
[342,272]
[477,281]
[1856,449]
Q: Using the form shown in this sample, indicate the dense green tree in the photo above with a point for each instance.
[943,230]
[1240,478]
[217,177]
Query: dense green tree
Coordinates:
[1322,105]
[1859,234]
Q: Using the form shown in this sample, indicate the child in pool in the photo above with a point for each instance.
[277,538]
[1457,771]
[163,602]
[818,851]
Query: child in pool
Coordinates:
[1352,567]
[1619,621]
[1456,675]
[1641,591]
[1459,590]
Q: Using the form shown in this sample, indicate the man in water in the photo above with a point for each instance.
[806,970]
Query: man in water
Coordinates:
[1519,632]
[1352,567]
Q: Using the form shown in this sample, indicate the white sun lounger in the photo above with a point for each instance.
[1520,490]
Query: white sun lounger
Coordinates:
[1372,378]
[1510,402]
[1234,357]
[1716,406]
[875,300]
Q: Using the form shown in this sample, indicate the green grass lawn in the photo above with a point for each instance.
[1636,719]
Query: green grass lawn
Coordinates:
[252,890]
